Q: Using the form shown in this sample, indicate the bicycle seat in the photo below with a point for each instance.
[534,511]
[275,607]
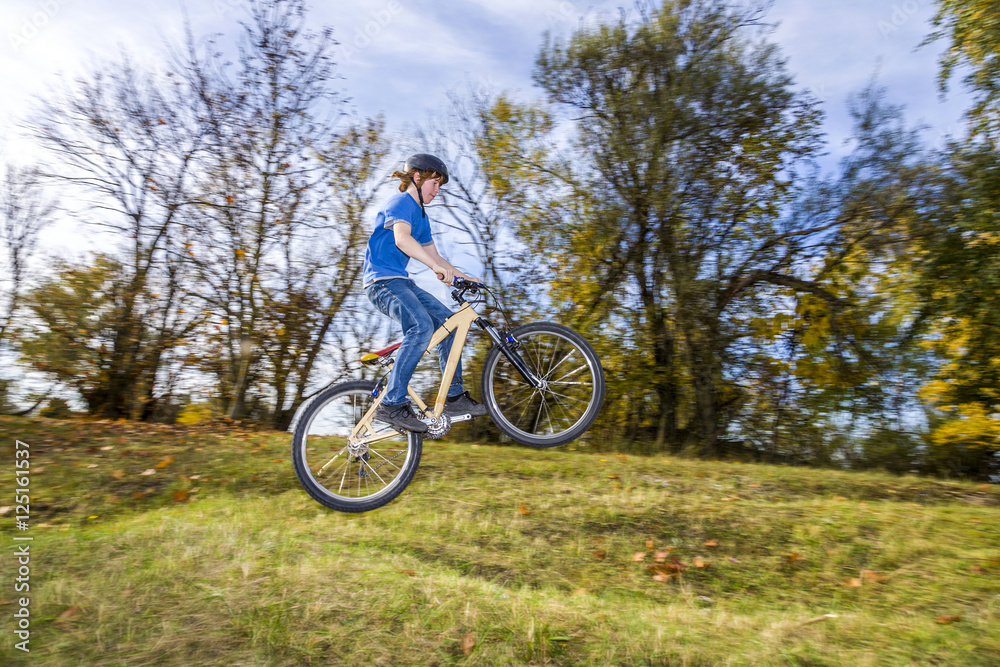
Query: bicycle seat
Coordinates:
[373,358]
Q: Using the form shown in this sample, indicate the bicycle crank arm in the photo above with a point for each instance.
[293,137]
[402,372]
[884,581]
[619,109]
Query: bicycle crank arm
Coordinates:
[460,418]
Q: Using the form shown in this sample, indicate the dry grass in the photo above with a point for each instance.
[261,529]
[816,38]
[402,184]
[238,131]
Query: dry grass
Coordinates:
[523,556]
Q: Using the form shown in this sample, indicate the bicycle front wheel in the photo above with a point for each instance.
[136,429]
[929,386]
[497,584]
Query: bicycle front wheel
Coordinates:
[345,472]
[570,397]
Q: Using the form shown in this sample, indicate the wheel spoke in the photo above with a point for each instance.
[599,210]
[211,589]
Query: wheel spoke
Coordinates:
[373,467]
[567,401]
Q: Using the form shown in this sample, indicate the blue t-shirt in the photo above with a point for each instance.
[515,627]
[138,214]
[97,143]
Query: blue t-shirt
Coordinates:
[383,259]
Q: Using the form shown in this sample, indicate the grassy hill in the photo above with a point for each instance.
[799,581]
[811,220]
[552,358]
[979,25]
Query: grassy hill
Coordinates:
[174,546]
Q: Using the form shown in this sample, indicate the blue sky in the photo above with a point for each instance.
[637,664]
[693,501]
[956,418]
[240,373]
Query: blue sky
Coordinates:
[401,58]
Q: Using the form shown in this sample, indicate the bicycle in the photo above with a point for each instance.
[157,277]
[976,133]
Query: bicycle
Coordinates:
[542,384]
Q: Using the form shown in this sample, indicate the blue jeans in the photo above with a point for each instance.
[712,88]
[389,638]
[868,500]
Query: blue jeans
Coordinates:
[420,314]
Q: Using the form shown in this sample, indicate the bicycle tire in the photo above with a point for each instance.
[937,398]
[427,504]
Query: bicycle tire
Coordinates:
[323,428]
[569,402]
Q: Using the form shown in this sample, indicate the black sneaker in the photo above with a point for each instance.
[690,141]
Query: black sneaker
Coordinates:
[400,417]
[463,405]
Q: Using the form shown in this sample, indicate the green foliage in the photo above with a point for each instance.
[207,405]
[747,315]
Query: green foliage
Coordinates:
[972,29]
[88,340]
[195,413]
[57,408]
[961,286]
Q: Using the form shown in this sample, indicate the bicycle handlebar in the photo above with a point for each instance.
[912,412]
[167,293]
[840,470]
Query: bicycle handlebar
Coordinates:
[467,284]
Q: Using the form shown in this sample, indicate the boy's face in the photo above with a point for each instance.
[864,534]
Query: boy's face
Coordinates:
[430,188]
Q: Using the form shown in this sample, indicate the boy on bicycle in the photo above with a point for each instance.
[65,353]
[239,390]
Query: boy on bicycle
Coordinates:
[403,231]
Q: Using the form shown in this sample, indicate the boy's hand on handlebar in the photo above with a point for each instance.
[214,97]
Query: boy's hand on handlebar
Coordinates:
[463,280]
[445,274]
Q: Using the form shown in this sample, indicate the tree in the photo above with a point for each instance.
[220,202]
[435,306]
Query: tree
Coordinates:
[960,287]
[688,134]
[123,144]
[79,308]
[276,238]
[25,210]
[972,28]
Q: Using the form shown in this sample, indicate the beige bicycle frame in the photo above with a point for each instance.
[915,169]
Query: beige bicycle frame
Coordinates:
[459,324]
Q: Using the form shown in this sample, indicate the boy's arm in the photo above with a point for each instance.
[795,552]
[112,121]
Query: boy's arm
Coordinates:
[425,254]
[433,251]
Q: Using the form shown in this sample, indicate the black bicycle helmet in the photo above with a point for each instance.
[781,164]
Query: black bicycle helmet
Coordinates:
[424,161]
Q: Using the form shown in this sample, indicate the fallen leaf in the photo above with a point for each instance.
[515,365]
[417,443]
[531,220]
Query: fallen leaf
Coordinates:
[523,509]
[180,495]
[118,474]
[730,499]
[92,465]
[136,495]
[852,582]
[639,556]
[613,477]
[817,619]
[946,619]
[698,562]
[975,568]
[42,469]
[107,448]
[712,543]
[649,544]
[600,555]
[662,577]
[68,616]
[873,576]
[580,591]
[147,472]
[841,498]
[667,568]
[468,643]
[4,509]
[660,556]
[409,573]
[279,460]
[165,462]
[793,557]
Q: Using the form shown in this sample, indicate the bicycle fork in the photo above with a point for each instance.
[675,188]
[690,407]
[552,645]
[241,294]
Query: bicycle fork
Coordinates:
[508,347]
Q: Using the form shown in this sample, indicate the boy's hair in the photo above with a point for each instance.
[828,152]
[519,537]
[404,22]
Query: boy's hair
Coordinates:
[406,177]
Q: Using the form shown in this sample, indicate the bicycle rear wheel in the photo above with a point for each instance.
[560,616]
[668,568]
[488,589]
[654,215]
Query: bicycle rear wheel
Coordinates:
[570,397]
[351,474]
